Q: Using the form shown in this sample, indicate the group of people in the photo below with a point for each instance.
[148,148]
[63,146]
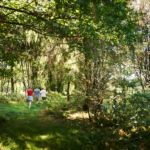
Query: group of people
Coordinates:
[37,94]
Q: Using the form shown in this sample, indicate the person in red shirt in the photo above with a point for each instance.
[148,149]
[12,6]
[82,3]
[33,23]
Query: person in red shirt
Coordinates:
[29,96]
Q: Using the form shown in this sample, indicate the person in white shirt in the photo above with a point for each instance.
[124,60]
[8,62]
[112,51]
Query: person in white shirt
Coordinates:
[43,94]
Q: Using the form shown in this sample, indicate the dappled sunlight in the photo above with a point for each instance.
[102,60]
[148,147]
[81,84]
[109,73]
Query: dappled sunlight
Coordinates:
[38,131]
[13,102]
[57,137]
[74,75]
[78,115]
[28,145]
[75,131]
[58,129]
[44,137]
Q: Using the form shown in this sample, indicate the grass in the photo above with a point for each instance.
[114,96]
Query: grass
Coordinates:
[31,129]
[60,125]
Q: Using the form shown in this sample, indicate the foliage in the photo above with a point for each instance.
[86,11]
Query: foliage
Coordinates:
[129,112]
[126,120]
[96,141]
[12,98]
[121,125]
[32,123]
[3,98]
[90,46]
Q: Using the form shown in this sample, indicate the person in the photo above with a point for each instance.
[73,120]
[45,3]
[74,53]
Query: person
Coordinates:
[29,96]
[43,94]
[37,95]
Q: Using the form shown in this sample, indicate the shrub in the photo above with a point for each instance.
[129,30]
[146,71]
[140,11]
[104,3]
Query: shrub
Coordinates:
[4,99]
[12,98]
[130,111]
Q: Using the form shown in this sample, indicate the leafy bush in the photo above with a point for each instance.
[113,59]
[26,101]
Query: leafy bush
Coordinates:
[130,111]
[55,95]
[4,99]
[96,140]
[16,97]
[12,98]
[131,115]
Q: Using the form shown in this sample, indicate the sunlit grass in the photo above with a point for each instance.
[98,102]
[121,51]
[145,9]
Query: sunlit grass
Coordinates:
[38,129]
[78,115]
[28,129]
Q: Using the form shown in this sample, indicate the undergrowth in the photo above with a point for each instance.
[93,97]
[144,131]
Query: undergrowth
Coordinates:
[49,125]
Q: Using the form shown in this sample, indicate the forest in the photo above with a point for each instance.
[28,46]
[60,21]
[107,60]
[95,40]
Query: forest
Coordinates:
[93,59]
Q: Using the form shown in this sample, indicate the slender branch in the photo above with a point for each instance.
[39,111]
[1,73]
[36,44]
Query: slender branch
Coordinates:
[36,14]
[15,11]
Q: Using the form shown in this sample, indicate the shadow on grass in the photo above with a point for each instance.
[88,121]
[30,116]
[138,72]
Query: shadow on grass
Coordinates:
[41,134]
[29,130]
[33,130]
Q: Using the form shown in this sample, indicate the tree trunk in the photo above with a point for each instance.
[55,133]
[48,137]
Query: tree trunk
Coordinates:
[7,90]
[68,98]
[50,85]
[12,84]
[34,74]
[2,85]
[24,83]
[86,74]
[27,66]
[16,89]
[59,86]
[87,80]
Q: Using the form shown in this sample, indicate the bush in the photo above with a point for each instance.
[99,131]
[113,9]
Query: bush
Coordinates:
[12,98]
[129,112]
[4,99]
[96,140]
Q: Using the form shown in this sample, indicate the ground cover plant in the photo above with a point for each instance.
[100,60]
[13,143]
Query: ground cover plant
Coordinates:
[33,129]
[46,127]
